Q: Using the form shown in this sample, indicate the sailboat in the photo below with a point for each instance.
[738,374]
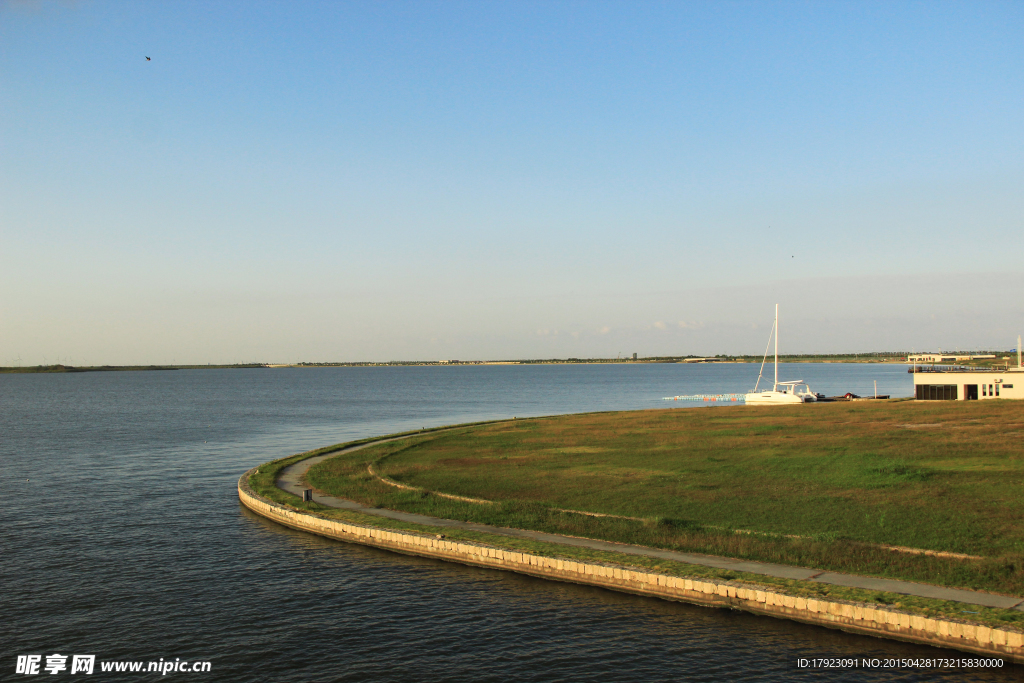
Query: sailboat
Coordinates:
[781,392]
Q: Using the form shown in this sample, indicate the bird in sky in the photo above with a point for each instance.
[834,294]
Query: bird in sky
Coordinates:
[148,59]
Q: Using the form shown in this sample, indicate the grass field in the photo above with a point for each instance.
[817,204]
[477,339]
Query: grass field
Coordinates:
[821,485]
[262,482]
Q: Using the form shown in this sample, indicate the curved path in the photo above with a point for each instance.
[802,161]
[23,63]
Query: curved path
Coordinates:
[291,478]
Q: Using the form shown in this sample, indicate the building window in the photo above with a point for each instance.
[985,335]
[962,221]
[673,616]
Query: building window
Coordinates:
[997,390]
[984,390]
[936,392]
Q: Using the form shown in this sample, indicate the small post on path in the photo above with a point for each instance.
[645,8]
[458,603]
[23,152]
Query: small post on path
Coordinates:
[307,495]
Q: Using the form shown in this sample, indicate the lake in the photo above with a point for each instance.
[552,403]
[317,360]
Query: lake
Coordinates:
[123,536]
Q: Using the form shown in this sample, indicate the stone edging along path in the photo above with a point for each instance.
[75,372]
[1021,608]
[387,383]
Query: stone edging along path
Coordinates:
[848,616]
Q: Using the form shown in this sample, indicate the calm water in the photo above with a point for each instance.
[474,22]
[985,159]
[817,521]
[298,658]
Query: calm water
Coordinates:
[122,536]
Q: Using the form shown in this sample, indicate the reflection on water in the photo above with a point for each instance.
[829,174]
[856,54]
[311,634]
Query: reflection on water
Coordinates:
[123,538]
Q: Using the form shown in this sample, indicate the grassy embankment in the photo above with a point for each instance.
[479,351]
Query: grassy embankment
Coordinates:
[263,483]
[840,478]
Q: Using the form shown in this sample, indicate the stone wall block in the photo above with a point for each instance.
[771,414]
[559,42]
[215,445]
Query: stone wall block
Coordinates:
[882,621]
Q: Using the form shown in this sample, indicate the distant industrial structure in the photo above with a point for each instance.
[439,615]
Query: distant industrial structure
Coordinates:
[924,358]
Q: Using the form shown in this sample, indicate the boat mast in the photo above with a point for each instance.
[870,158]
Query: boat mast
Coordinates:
[760,372]
[776,387]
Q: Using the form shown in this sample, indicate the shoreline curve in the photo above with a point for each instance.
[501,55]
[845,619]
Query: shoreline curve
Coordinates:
[852,617]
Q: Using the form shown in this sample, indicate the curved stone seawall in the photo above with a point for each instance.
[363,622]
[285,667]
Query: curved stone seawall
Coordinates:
[853,617]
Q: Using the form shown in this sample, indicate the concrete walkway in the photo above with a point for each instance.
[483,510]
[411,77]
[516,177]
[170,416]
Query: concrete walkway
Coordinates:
[291,477]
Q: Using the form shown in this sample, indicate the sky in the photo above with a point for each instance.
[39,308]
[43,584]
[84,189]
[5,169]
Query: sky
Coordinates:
[373,181]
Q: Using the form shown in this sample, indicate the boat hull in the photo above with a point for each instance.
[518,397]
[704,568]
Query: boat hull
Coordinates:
[772,398]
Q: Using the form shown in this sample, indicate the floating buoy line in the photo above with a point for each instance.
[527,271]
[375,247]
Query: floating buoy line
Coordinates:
[725,398]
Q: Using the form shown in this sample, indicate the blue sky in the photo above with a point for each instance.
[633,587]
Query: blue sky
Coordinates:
[376,181]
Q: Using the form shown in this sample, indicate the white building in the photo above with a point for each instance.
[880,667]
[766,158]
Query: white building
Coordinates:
[934,383]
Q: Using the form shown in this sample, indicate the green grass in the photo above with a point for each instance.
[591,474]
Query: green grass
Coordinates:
[842,477]
[263,484]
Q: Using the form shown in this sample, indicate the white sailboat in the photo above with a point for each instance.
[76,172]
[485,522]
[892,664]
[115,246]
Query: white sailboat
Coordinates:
[781,392]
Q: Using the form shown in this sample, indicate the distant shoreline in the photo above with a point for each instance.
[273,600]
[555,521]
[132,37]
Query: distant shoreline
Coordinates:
[58,369]
[822,358]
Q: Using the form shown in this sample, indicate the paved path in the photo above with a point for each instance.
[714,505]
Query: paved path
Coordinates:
[290,480]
